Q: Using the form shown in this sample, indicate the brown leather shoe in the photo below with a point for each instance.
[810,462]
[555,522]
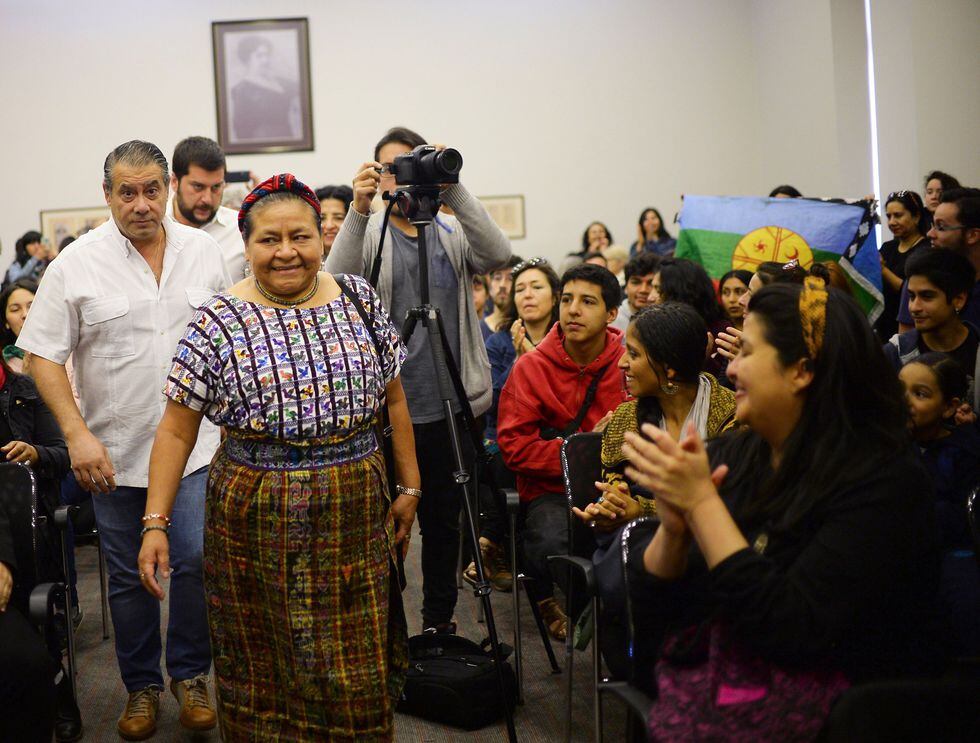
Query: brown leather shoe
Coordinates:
[139,719]
[554,618]
[495,563]
[196,712]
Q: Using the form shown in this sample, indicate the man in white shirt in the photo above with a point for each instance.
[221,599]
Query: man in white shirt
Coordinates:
[198,183]
[117,301]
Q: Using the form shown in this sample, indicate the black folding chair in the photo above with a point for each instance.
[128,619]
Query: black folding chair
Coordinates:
[581,465]
[637,701]
[973,517]
[86,532]
[19,491]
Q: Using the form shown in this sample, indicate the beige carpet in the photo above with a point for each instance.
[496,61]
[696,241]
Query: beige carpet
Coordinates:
[541,718]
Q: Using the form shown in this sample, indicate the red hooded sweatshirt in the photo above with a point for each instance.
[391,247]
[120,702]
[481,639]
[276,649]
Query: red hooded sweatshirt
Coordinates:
[546,389]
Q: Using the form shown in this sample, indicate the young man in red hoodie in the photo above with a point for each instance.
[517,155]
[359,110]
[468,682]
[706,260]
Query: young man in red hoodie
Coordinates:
[544,395]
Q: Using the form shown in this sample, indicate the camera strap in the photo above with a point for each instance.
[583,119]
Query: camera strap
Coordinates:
[376,267]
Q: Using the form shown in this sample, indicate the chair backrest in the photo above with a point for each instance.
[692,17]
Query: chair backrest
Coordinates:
[973,517]
[18,493]
[581,466]
[629,531]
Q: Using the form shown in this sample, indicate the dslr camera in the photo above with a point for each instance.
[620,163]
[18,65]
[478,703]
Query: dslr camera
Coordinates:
[426,166]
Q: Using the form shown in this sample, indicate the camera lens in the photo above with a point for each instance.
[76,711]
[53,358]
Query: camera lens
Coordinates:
[449,161]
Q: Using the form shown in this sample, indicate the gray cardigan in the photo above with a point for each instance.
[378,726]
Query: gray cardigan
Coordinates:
[475,245]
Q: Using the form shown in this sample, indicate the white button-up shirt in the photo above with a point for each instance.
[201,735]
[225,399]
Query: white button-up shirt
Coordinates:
[100,303]
[224,229]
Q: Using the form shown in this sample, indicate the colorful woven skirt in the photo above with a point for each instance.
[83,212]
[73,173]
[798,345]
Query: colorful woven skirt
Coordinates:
[307,626]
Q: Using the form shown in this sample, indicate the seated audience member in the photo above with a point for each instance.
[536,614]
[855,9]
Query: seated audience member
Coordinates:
[30,435]
[768,272]
[908,222]
[569,383]
[956,227]
[935,385]
[499,313]
[30,258]
[616,259]
[803,544]
[640,272]
[481,291]
[596,237]
[681,280]
[731,287]
[15,301]
[934,185]
[596,258]
[662,363]
[652,236]
[534,301]
[939,285]
[334,202]
[785,192]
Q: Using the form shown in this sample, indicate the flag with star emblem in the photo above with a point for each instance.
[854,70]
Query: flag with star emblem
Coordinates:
[726,232]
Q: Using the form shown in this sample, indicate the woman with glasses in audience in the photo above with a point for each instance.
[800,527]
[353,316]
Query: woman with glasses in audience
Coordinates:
[908,221]
[301,533]
[797,554]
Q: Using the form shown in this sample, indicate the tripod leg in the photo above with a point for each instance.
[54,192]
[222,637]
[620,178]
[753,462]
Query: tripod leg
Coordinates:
[542,630]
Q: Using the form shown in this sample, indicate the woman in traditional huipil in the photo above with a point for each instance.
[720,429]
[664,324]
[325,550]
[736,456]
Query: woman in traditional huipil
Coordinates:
[307,625]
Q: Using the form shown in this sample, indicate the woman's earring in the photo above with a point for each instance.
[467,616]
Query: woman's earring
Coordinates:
[670,388]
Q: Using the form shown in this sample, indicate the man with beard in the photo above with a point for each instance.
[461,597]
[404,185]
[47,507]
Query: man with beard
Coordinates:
[198,183]
[458,247]
[501,282]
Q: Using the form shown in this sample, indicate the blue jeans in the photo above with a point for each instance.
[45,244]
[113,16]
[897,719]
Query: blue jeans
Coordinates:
[135,613]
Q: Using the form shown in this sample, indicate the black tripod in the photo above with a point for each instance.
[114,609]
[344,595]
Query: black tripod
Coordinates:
[419,204]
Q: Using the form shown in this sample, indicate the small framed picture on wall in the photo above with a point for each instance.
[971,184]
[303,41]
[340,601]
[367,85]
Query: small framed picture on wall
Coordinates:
[508,213]
[262,85]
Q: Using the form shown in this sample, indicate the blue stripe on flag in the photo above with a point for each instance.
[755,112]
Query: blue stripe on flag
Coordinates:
[824,226]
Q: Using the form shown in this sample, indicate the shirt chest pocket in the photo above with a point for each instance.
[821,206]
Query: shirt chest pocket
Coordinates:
[109,321]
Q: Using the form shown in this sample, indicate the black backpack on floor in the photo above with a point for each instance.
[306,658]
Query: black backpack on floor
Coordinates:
[453,681]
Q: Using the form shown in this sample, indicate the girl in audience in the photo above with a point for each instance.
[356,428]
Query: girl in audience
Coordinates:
[15,301]
[651,235]
[596,238]
[803,547]
[935,385]
[663,364]
[681,280]
[334,202]
[908,221]
[30,258]
[534,300]
[731,287]
[934,184]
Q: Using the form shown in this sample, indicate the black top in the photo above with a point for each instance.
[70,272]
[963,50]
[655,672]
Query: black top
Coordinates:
[965,353]
[852,589]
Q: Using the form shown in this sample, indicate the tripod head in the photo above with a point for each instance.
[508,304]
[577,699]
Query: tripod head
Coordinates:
[418,204]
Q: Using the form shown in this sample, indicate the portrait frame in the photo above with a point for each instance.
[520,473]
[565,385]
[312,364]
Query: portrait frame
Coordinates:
[508,213]
[57,224]
[262,89]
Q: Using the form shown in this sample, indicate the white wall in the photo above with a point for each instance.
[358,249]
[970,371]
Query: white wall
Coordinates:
[591,110]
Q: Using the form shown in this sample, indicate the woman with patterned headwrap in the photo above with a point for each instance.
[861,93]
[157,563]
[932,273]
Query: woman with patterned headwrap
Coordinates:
[307,625]
[797,554]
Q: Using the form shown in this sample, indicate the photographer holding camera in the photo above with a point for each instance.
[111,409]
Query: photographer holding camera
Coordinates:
[458,246]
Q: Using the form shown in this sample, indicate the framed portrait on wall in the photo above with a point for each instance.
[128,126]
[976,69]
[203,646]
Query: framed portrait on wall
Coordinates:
[262,85]
[508,213]
[57,224]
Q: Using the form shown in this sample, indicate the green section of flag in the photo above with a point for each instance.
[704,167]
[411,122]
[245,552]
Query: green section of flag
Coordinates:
[711,249]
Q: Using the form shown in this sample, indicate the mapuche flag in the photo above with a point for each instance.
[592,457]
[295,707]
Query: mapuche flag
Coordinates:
[726,232]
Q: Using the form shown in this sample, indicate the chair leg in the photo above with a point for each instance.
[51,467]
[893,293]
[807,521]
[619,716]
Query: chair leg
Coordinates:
[542,630]
[515,591]
[597,670]
[103,589]
[569,658]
